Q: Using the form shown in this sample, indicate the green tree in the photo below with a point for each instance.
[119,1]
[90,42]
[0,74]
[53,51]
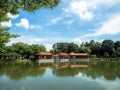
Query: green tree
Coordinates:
[118,52]
[27,51]
[65,47]
[106,54]
[117,44]
[60,47]
[37,48]
[13,6]
[84,49]
[72,47]
[107,46]
[5,38]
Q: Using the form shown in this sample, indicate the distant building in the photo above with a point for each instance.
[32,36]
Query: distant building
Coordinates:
[78,57]
[61,57]
[45,57]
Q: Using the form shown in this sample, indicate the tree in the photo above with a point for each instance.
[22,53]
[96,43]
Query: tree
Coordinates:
[28,51]
[95,48]
[37,48]
[84,49]
[118,52]
[60,47]
[65,47]
[5,38]
[106,54]
[72,47]
[117,44]
[107,46]
[12,7]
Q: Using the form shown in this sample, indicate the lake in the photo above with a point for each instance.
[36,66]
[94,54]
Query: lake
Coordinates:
[82,76]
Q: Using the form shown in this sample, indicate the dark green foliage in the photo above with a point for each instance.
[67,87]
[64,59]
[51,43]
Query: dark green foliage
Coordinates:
[107,46]
[63,47]
[21,51]
[105,49]
[117,44]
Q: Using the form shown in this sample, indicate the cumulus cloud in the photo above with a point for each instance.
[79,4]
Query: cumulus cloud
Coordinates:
[81,9]
[84,9]
[25,24]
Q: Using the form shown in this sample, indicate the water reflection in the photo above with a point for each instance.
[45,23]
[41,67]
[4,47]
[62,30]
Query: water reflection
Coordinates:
[92,76]
[110,71]
[18,72]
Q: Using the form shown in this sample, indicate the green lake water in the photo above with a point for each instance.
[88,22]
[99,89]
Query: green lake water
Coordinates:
[94,76]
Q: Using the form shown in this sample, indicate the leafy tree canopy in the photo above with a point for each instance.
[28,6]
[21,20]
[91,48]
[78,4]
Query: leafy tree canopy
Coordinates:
[13,6]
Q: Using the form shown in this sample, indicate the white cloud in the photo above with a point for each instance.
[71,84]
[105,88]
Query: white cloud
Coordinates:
[81,9]
[64,9]
[25,24]
[103,2]
[110,27]
[6,23]
[69,22]
[9,23]
[85,9]
[27,39]
[77,40]
[31,40]
[35,27]
[48,46]
[54,21]
[12,16]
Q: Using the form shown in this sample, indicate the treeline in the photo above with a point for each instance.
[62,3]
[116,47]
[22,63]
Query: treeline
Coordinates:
[20,51]
[105,49]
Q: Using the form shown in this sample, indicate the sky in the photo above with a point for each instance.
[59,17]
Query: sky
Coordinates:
[71,21]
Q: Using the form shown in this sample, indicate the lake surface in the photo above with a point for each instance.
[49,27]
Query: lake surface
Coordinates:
[94,76]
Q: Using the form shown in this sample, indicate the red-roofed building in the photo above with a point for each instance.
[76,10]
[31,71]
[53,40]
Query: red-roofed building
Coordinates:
[62,57]
[78,57]
[44,57]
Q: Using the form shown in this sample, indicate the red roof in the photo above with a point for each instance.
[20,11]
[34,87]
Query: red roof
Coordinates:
[62,54]
[78,54]
[45,53]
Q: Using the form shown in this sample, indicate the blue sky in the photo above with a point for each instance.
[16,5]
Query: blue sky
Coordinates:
[72,21]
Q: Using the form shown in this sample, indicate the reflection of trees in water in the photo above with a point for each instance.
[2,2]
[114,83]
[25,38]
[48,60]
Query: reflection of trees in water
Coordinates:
[110,71]
[66,71]
[17,72]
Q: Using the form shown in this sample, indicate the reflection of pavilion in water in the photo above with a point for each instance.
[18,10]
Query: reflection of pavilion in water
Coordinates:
[61,57]
[65,65]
